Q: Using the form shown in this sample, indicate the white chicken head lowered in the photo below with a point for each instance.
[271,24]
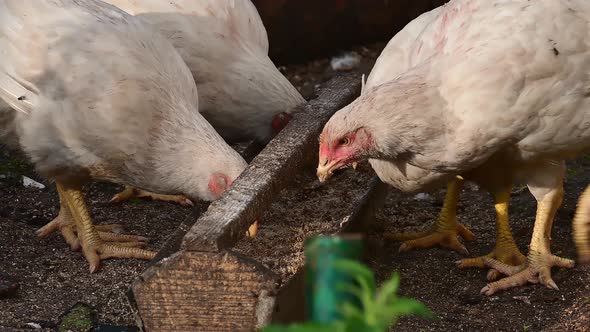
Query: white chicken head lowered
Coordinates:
[382,124]
[224,43]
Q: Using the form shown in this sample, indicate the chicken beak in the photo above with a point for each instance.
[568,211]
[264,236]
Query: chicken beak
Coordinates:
[355,165]
[253,230]
[325,169]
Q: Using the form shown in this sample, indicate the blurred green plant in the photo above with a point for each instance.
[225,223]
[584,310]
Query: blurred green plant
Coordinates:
[380,307]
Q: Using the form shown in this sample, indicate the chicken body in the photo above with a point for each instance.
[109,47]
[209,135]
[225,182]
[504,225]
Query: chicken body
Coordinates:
[95,93]
[414,44]
[506,86]
[225,45]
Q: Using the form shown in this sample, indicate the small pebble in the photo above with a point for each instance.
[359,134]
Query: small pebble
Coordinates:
[422,197]
[30,183]
[345,62]
[524,299]
[35,326]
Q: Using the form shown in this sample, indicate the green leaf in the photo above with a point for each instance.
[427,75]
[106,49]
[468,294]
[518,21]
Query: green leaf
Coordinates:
[351,289]
[388,290]
[407,306]
[349,310]
[358,325]
[367,295]
[379,309]
[304,327]
[357,270]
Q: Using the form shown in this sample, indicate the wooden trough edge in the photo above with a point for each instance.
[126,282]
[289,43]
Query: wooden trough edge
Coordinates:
[226,291]
[228,218]
[187,289]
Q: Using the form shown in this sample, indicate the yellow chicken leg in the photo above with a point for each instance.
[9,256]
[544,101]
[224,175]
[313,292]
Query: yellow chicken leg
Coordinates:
[65,224]
[445,229]
[537,268]
[581,227]
[131,192]
[505,250]
[93,247]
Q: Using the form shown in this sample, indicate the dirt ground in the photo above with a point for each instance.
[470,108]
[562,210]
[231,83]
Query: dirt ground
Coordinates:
[52,278]
[453,294]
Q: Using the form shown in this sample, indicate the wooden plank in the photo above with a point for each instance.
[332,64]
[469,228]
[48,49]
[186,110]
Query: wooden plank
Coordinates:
[228,218]
[248,151]
[224,291]
[204,291]
[205,286]
[364,212]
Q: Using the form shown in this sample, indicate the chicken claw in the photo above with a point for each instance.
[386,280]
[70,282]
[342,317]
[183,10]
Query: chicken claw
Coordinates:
[252,230]
[503,253]
[444,231]
[67,227]
[62,223]
[446,238]
[131,192]
[505,250]
[93,246]
[540,260]
[537,269]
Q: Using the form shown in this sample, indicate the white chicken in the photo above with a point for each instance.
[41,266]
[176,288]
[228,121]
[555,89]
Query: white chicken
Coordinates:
[414,44]
[95,93]
[225,45]
[504,92]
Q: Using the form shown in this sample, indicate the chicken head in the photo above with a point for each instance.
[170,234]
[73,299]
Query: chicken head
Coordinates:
[338,150]
[280,121]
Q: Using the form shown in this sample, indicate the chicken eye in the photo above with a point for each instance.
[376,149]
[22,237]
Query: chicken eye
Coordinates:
[344,141]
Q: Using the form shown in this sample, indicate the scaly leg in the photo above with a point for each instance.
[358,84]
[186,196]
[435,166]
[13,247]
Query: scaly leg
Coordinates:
[537,268]
[505,250]
[445,229]
[93,247]
[581,227]
[131,192]
[65,224]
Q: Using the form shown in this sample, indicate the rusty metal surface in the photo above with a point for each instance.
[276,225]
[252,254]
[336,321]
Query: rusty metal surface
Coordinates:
[228,218]
[323,27]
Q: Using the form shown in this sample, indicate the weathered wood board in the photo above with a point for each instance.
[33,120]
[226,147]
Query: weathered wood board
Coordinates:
[202,285]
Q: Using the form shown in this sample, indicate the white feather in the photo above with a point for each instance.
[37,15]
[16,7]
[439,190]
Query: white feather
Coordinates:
[106,96]
[225,45]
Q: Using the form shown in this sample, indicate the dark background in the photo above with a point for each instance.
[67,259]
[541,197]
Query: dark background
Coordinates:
[300,30]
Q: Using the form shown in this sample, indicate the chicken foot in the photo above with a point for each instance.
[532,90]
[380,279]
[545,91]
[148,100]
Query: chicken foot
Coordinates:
[93,246]
[505,250]
[131,192]
[581,227]
[65,224]
[444,230]
[537,268]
